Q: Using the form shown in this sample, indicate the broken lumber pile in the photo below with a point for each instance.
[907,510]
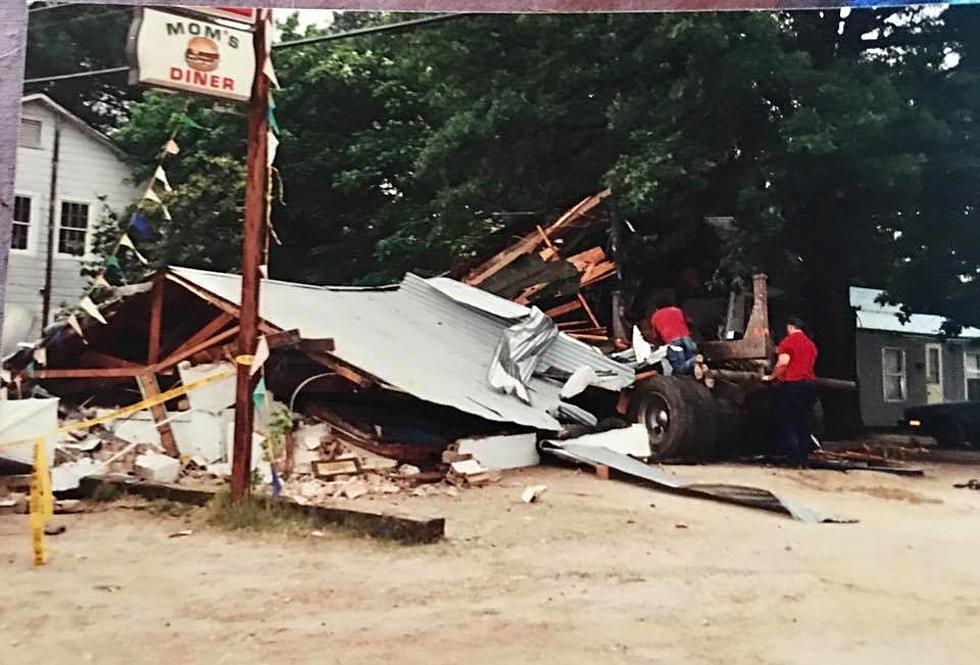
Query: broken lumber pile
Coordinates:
[519,272]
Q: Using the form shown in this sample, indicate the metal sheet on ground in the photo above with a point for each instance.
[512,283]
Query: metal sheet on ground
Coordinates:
[753,497]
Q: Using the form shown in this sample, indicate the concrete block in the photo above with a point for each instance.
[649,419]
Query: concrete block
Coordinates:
[158,468]
[502,452]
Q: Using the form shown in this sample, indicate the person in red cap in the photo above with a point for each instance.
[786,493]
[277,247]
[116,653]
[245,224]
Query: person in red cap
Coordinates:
[794,392]
[669,324]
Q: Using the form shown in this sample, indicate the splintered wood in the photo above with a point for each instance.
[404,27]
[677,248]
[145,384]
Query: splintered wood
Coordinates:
[592,265]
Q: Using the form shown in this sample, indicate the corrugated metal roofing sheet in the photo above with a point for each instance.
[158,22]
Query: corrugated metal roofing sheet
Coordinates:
[433,339]
[872,315]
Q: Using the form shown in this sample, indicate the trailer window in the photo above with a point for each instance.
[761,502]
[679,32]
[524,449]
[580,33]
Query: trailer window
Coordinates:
[893,374]
[972,370]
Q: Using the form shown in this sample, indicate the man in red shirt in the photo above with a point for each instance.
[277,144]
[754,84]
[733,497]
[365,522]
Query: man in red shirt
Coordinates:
[794,392]
[669,325]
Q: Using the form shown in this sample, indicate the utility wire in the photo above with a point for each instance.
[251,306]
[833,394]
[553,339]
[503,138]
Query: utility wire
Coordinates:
[78,75]
[388,27]
[44,8]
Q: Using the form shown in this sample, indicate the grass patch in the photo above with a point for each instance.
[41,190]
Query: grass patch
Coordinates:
[258,513]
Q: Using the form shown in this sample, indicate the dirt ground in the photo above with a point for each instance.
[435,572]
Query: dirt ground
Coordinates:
[599,571]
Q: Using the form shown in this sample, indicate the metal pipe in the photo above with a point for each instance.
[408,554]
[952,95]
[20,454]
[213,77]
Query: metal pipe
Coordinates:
[737,376]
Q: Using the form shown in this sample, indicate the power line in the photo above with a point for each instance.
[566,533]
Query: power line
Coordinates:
[388,27]
[44,8]
[78,75]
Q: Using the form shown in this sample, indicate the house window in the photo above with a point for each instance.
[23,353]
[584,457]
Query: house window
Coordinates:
[21,230]
[73,230]
[933,364]
[29,135]
[971,361]
[893,374]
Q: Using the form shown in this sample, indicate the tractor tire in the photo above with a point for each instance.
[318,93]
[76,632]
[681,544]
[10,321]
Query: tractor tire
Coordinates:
[680,416]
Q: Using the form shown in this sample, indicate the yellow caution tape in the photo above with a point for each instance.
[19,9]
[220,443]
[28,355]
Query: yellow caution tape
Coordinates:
[245,360]
[42,497]
[126,410]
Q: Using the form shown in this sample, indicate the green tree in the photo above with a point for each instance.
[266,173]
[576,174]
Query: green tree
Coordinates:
[74,38]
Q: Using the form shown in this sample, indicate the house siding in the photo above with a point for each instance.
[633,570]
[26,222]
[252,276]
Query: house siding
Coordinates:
[87,169]
[875,411]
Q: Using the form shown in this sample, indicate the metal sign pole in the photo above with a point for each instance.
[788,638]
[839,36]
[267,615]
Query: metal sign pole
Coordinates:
[256,182]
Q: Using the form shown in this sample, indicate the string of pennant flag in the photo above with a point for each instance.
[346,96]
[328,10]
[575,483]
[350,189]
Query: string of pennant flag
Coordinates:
[139,223]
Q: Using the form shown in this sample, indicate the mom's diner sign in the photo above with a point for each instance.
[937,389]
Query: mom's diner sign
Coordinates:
[180,52]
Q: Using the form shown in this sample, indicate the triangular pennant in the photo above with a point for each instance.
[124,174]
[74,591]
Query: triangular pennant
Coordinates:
[75,325]
[140,225]
[273,123]
[171,147]
[261,355]
[126,241]
[264,270]
[267,68]
[188,121]
[258,395]
[100,280]
[165,212]
[92,310]
[160,175]
[41,355]
[150,195]
[273,147]
[113,262]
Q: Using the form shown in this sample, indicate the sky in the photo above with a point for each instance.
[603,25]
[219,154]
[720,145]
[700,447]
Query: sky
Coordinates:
[306,16]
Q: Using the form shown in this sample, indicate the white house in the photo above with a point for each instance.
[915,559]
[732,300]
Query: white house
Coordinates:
[65,170]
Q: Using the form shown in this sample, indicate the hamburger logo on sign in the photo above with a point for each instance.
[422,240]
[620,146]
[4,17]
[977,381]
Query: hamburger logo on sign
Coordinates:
[202,54]
[183,53]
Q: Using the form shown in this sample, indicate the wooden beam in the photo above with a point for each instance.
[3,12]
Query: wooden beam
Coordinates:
[533,240]
[150,388]
[207,297]
[588,310]
[156,318]
[276,340]
[589,338]
[343,370]
[90,372]
[325,345]
[226,307]
[99,359]
[530,292]
[186,352]
[567,308]
[208,331]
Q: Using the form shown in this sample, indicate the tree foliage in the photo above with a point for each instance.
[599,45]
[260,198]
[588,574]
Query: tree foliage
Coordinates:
[844,149]
[66,39]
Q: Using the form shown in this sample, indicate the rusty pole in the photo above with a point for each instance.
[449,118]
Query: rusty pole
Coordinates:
[256,182]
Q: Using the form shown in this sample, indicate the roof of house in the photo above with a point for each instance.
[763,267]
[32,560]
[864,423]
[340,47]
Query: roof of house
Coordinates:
[87,129]
[431,338]
[872,315]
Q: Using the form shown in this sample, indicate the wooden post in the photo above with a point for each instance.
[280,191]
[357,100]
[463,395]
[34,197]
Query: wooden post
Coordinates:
[150,388]
[156,319]
[256,182]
